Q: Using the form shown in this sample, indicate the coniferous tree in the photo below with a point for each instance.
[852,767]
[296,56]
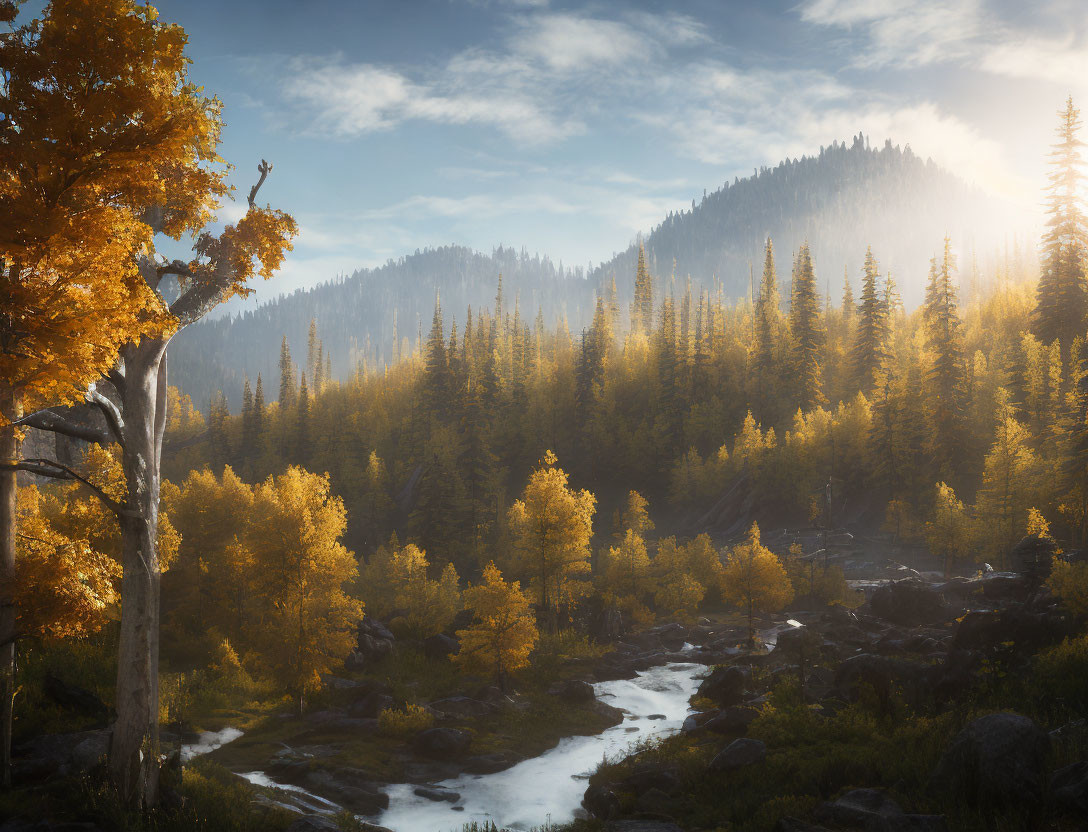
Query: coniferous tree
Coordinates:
[870,341]
[642,307]
[945,376]
[1062,296]
[767,319]
[287,378]
[247,443]
[808,333]
[301,449]
[437,366]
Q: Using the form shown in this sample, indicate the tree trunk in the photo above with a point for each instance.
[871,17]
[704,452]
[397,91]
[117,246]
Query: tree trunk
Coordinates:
[134,747]
[9,452]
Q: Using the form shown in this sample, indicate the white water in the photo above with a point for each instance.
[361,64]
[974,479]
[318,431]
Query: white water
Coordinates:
[209,741]
[549,788]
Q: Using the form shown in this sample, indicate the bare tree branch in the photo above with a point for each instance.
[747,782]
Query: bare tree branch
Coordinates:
[57,471]
[263,168]
[111,412]
[54,422]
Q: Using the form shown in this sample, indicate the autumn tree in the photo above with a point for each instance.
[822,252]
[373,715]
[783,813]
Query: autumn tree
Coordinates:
[503,633]
[767,330]
[950,532]
[146,137]
[396,581]
[642,307]
[754,579]
[305,621]
[945,376]
[551,525]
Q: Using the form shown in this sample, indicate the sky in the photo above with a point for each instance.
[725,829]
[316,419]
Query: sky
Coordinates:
[569,127]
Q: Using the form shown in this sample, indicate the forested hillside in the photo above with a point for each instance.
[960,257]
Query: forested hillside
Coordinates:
[840,201]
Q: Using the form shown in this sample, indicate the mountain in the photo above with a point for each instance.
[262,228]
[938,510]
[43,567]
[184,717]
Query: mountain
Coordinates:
[842,200]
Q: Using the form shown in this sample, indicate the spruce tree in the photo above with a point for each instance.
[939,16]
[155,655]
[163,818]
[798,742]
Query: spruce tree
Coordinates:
[258,418]
[287,378]
[945,376]
[245,447]
[1062,295]
[642,307]
[437,386]
[767,320]
[870,341]
[301,450]
[808,333]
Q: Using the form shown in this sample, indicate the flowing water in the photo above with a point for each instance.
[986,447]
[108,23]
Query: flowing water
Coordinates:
[549,788]
[208,742]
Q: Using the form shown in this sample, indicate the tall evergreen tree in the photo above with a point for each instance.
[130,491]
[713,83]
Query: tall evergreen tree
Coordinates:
[1062,295]
[870,341]
[945,377]
[302,448]
[287,378]
[437,385]
[642,307]
[767,320]
[808,332]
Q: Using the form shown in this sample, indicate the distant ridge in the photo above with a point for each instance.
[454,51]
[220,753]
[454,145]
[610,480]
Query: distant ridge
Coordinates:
[845,198]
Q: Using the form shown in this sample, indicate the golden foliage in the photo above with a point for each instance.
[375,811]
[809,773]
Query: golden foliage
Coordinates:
[754,579]
[396,579]
[504,633]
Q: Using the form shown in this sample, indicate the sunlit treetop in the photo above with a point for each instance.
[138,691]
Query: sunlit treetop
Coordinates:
[104,143]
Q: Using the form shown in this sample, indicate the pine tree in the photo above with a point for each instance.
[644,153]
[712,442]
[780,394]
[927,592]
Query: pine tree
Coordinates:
[808,333]
[870,342]
[248,443]
[437,384]
[218,417]
[848,309]
[287,378]
[642,307]
[1062,296]
[312,346]
[302,449]
[258,420]
[767,320]
[945,376]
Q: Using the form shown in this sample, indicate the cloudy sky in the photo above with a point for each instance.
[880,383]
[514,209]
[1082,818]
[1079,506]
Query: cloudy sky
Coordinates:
[568,127]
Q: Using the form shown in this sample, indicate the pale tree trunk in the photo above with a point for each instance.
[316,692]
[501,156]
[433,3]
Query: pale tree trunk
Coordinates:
[134,747]
[9,452]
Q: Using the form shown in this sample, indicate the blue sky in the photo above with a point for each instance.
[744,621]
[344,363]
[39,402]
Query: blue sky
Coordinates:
[568,127]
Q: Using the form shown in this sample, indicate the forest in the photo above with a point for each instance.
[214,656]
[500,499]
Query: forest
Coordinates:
[796,560]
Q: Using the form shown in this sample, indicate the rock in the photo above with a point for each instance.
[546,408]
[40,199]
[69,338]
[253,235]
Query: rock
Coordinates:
[646,776]
[437,795]
[724,686]
[490,763]
[738,754]
[74,697]
[348,787]
[439,647]
[313,823]
[444,743]
[695,722]
[369,706]
[601,802]
[55,755]
[373,649]
[1069,789]
[655,802]
[732,722]
[1026,630]
[908,602]
[641,826]
[573,690]
[1033,556]
[462,706]
[355,662]
[656,716]
[998,761]
[874,811]
[375,628]
[881,673]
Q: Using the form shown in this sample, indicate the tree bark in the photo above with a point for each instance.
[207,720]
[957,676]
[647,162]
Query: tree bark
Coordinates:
[9,452]
[134,746]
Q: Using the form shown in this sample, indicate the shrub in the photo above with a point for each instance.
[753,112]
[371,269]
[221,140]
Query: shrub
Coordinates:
[1060,672]
[411,720]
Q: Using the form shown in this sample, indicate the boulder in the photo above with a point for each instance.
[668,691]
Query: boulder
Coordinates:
[490,763]
[738,754]
[908,602]
[349,788]
[313,823]
[437,795]
[369,706]
[1069,789]
[646,776]
[573,690]
[375,628]
[1033,556]
[883,674]
[74,697]
[372,649]
[601,802]
[997,762]
[732,722]
[440,646]
[873,811]
[59,755]
[724,686]
[444,743]
[695,722]
[1026,630]
[462,707]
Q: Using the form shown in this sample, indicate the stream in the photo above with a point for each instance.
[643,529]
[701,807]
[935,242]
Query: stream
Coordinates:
[549,788]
